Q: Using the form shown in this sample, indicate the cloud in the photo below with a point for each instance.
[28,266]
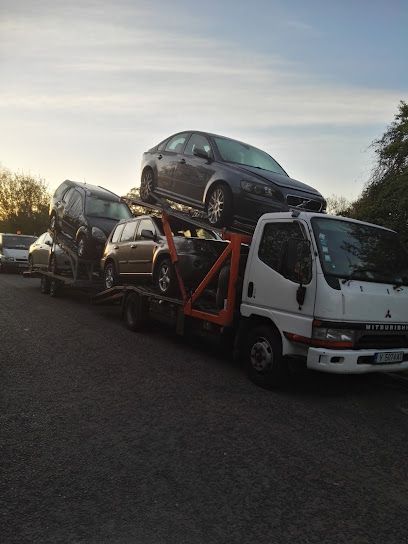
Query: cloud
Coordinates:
[101,73]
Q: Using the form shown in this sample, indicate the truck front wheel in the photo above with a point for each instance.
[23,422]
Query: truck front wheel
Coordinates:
[265,364]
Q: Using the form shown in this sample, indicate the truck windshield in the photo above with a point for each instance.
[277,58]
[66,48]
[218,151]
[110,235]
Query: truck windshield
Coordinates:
[361,252]
[18,241]
[239,153]
[108,209]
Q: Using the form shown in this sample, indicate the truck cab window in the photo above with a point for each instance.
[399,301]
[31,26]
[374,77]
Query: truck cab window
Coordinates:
[273,250]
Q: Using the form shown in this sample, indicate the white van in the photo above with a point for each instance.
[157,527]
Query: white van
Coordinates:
[14,251]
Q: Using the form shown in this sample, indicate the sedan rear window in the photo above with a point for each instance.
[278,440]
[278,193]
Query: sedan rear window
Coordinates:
[240,153]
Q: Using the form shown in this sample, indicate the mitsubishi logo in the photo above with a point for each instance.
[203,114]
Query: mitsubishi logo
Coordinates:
[388,314]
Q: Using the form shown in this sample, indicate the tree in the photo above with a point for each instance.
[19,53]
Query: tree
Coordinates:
[337,205]
[24,202]
[385,198]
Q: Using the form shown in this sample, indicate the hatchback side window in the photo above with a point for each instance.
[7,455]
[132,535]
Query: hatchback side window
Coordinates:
[145,224]
[74,205]
[68,194]
[197,141]
[117,232]
[128,232]
[176,143]
[273,246]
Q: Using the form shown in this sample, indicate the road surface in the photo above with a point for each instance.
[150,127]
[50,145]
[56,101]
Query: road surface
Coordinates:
[109,436]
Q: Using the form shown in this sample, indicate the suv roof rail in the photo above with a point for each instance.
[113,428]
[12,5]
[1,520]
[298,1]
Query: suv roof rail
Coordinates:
[108,191]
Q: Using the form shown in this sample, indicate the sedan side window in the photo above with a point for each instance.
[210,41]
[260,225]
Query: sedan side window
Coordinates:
[128,232]
[273,248]
[176,144]
[197,141]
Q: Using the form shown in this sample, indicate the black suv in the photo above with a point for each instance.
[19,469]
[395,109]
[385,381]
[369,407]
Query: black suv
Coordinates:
[86,214]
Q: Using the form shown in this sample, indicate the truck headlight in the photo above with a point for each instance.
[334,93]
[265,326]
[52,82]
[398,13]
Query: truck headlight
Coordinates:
[333,335]
[260,189]
[98,234]
[9,259]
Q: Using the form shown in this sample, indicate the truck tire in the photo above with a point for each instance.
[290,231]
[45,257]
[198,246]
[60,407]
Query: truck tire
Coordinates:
[264,361]
[133,312]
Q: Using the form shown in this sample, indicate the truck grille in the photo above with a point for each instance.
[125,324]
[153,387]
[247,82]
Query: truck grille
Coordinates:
[303,203]
[382,341]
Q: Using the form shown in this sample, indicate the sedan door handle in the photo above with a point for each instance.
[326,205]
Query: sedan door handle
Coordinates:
[115,247]
[182,161]
[133,246]
[160,156]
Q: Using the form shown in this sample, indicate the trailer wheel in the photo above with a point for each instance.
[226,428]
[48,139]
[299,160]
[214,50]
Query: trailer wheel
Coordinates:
[264,361]
[55,287]
[133,312]
[52,265]
[45,285]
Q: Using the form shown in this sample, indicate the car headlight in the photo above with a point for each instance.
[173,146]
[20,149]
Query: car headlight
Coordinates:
[260,189]
[333,335]
[98,234]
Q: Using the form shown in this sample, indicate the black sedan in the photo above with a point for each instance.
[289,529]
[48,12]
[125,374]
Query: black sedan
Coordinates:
[226,178]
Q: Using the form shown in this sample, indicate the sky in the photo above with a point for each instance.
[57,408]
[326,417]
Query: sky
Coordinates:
[87,86]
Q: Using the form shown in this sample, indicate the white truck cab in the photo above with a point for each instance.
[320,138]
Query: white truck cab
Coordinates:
[330,290]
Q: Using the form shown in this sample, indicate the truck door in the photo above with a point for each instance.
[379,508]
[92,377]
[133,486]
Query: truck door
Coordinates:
[270,286]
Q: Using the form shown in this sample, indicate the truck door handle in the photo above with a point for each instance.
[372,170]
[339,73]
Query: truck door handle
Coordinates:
[250,289]
[160,156]
[182,161]
[133,246]
[115,247]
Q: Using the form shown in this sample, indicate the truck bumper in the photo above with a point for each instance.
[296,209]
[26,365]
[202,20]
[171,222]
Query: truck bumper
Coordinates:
[352,361]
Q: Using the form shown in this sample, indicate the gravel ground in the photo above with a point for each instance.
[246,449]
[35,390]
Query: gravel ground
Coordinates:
[109,436]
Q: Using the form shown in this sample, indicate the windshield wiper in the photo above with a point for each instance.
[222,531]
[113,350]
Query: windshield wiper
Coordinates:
[353,275]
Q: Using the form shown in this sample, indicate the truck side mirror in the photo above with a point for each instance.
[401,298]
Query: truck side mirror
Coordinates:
[297,260]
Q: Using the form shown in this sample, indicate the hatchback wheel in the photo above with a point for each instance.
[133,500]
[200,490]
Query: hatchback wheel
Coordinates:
[147,185]
[219,206]
[109,276]
[53,222]
[83,249]
[165,279]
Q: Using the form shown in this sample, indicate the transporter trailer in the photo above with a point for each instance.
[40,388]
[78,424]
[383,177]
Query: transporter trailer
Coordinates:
[83,274]
[324,292]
